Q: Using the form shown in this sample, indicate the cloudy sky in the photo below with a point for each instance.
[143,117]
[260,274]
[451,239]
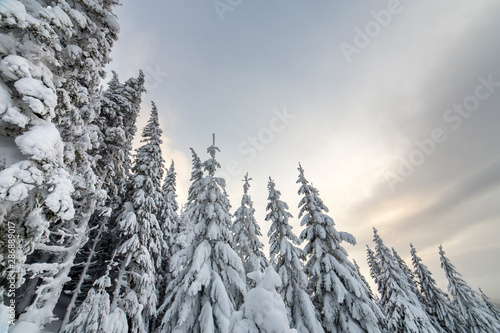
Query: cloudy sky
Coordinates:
[392,107]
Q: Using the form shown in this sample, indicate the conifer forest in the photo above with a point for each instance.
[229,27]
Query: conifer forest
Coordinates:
[94,238]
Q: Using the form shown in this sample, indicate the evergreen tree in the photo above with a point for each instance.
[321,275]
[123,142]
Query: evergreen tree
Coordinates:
[494,310]
[92,315]
[51,77]
[286,258]
[169,219]
[476,315]
[208,271]
[336,290]
[369,291]
[263,309]
[169,224]
[404,312]
[407,273]
[246,232]
[141,249]
[119,110]
[435,300]
[373,265]
[185,225]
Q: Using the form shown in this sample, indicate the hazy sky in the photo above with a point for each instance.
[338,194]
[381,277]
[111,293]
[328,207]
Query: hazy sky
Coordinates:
[392,107]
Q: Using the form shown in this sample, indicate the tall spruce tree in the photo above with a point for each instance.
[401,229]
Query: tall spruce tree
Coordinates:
[51,77]
[407,273]
[435,300]
[475,314]
[286,258]
[117,123]
[141,250]
[494,310]
[185,225]
[403,310]
[246,232]
[336,289]
[170,226]
[208,271]
[372,264]
[369,291]
[169,218]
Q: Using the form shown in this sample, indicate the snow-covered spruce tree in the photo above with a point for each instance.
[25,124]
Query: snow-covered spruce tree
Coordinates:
[373,265]
[475,314]
[336,289]
[185,226]
[117,123]
[403,310]
[92,315]
[435,300]
[407,273]
[246,234]
[286,258]
[169,219]
[208,270]
[169,224]
[141,250]
[35,185]
[263,309]
[494,310]
[53,50]
[369,291]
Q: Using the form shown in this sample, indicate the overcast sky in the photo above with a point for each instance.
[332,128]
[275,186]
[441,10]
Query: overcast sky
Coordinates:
[392,107]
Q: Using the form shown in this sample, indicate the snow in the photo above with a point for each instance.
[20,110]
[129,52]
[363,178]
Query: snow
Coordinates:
[59,200]
[112,22]
[12,11]
[42,143]
[8,111]
[25,327]
[35,92]
[4,318]
[263,309]
[117,322]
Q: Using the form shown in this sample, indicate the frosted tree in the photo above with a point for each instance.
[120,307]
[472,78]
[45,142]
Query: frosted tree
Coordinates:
[372,264]
[369,291]
[207,272]
[286,258]
[263,309]
[475,314]
[185,226]
[407,272]
[336,289]
[246,232]
[119,110]
[404,312]
[92,315]
[494,310]
[143,240]
[35,185]
[169,218]
[435,300]
[51,70]
[169,224]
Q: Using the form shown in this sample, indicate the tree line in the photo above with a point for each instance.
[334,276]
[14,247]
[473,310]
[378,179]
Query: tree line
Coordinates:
[101,225]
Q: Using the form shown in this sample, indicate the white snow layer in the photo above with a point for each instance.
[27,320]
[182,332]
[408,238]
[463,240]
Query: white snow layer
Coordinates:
[42,143]
[263,309]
